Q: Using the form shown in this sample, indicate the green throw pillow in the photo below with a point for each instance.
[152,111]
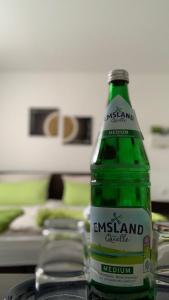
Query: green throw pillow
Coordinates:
[158,217]
[23,193]
[76,193]
[7,216]
[59,213]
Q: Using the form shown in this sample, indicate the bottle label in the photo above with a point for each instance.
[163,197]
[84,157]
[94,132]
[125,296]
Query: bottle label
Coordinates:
[120,246]
[120,119]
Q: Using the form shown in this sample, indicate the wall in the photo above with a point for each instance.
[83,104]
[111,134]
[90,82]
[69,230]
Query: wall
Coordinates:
[75,94]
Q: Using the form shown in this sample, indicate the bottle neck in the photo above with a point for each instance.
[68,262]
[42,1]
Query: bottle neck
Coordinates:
[119,88]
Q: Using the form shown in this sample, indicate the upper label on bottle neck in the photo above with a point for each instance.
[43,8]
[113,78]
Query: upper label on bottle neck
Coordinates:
[120,119]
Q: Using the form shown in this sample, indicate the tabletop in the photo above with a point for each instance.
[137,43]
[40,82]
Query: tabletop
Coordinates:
[26,290]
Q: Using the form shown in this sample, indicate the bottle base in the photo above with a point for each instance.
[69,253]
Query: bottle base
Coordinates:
[94,294]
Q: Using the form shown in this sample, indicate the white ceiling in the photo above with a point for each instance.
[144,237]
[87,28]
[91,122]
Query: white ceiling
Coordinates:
[84,35]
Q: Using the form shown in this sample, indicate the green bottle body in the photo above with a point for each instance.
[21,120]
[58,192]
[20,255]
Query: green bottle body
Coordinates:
[121,229]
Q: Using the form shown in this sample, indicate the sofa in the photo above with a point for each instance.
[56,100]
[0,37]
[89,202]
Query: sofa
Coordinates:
[29,197]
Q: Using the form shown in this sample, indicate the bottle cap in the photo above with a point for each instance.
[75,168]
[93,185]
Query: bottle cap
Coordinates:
[118,75]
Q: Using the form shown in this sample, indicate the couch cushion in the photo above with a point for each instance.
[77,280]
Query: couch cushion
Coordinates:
[24,192]
[76,193]
[7,216]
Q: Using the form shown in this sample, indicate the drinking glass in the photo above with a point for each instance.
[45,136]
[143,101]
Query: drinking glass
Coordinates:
[84,229]
[161,252]
[61,259]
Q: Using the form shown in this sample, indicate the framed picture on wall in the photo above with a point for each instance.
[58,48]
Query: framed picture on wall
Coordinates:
[77,130]
[44,122]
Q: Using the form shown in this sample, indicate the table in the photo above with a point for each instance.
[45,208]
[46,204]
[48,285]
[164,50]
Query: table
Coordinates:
[78,288]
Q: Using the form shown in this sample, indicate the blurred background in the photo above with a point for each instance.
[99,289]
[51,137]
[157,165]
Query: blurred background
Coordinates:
[56,55]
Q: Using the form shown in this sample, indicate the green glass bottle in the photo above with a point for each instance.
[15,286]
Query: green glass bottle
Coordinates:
[121,228]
